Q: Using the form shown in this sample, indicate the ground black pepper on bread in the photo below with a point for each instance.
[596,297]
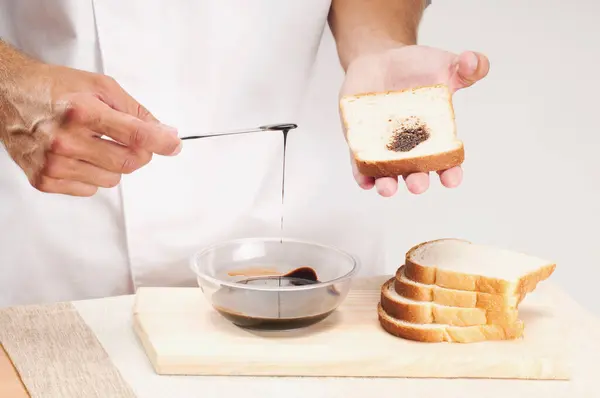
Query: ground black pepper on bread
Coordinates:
[408,135]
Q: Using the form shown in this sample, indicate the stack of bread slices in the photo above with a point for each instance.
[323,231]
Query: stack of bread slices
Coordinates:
[452,290]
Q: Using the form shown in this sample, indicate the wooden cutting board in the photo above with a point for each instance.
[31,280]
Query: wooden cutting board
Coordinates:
[183,335]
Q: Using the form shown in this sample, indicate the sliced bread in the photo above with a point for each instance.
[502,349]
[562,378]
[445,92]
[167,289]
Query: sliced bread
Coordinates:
[401,132]
[452,297]
[462,265]
[438,333]
[402,308]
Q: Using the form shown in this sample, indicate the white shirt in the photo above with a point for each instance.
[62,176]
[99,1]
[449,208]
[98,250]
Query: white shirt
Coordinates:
[198,65]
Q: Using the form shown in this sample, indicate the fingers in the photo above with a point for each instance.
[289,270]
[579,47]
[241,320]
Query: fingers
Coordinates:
[417,183]
[138,134]
[451,178]
[80,164]
[91,113]
[120,100]
[363,181]
[387,186]
[66,187]
[469,68]
[79,161]
[76,160]
[99,152]
[64,168]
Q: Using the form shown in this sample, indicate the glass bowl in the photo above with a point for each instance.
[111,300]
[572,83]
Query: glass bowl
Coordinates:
[273,282]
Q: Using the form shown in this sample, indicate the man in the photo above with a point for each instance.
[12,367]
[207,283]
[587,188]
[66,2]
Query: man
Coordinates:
[176,68]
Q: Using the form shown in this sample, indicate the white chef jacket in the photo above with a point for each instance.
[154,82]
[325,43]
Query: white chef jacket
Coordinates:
[198,65]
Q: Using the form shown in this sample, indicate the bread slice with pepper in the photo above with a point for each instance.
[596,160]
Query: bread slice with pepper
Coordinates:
[400,132]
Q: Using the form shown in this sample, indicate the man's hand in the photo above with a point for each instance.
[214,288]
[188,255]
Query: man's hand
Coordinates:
[401,67]
[53,121]
[376,42]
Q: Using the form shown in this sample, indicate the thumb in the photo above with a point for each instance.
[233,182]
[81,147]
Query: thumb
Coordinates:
[121,101]
[468,68]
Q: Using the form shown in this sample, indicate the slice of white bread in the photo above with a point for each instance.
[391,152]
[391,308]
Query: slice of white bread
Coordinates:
[462,265]
[452,297]
[438,333]
[423,312]
[382,129]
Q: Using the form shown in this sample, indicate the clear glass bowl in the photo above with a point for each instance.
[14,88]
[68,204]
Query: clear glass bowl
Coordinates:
[245,280]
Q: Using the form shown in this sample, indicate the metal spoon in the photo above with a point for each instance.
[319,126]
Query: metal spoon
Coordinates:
[269,127]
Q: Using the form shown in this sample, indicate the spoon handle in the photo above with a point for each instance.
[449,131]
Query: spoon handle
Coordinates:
[267,127]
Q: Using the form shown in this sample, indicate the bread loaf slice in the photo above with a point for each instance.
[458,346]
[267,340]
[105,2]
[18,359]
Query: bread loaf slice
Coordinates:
[439,333]
[452,297]
[405,309]
[401,132]
[462,265]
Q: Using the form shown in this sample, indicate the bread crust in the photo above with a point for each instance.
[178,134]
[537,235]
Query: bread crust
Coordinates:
[426,312]
[402,167]
[453,297]
[469,282]
[450,334]
[404,90]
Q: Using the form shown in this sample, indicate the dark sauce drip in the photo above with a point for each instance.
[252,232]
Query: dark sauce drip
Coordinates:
[285,136]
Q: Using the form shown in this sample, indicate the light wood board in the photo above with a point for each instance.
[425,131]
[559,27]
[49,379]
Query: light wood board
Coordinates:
[183,335]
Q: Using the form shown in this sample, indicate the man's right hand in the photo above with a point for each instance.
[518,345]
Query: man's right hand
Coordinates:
[53,118]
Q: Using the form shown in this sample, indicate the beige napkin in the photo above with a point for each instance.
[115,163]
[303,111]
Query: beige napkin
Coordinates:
[57,355]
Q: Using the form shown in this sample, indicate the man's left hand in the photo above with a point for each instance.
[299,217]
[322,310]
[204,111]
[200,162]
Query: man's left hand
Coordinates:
[403,67]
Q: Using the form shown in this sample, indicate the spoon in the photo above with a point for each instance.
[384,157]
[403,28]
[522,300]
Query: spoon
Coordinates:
[269,127]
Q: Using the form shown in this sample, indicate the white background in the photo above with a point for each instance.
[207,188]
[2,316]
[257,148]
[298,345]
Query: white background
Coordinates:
[530,132]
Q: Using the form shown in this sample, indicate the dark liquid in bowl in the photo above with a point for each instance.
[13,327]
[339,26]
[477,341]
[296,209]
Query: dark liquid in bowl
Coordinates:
[272,323]
[290,316]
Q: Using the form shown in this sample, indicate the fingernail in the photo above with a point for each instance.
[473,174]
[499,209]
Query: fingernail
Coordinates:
[178,149]
[472,61]
[169,129]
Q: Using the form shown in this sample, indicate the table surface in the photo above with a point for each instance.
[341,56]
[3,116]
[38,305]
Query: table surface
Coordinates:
[110,319]
[10,382]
